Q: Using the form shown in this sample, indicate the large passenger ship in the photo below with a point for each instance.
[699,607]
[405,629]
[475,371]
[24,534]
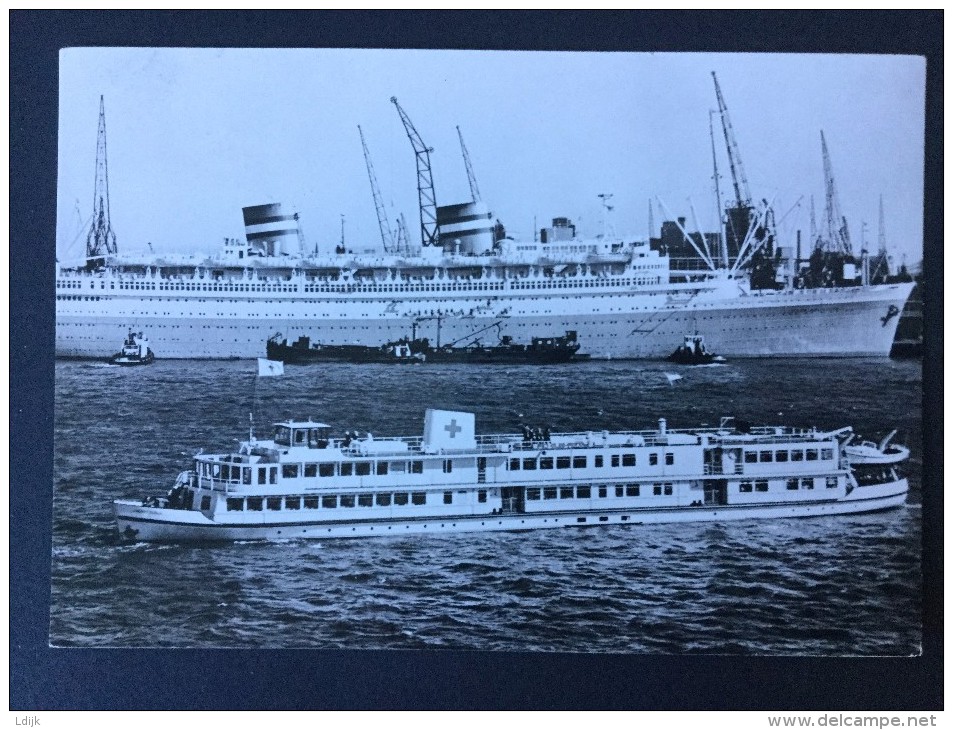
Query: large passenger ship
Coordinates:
[307,482]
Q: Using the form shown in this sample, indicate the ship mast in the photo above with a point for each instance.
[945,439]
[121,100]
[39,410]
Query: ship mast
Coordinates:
[101,239]
[429,234]
[387,238]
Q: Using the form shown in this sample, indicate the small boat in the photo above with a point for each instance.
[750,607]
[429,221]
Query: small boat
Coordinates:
[135,351]
[693,352]
[869,453]
[540,350]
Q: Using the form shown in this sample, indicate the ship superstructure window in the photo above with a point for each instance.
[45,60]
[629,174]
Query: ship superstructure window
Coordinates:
[657,489]
[766,456]
[546,462]
[416,467]
[289,471]
[347,500]
[792,483]
[362,468]
[781,455]
[447,466]
[418,498]
[365,500]
[383,500]
[448,497]
[751,457]
[761,485]
[598,461]
[347,468]
[282,436]
[827,454]
[631,490]
[669,458]
[481,495]
[329,501]
[583,492]
[745,487]
[529,464]
[797,455]
[562,462]
[603,492]
[514,464]
[653,458]
[812,455]
[532,493]
[579,462]
[274,503]
[400,498]
[310,470]
[326,470]
[549,493]
[234,504]
[565,493]
[312,502]
[807,483]
[615,460]
[254,504]
[628,459]
[832,482]
[381,468]
[292,502]
[246,475]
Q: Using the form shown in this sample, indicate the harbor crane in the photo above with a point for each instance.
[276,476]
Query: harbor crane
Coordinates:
[101,239]
[429,232]
[738,178]
[474,188]
[387,237]
[838,235]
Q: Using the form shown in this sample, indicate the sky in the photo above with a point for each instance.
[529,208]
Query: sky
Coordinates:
[194,135]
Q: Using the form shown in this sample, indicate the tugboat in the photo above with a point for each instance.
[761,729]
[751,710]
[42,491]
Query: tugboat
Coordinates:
[693,352]
[135,351]
[541,350]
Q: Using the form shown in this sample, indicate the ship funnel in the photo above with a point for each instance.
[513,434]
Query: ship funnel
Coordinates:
[662,427]
[269,232]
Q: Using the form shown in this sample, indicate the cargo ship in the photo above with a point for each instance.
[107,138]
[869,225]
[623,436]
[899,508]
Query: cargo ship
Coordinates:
[308,482]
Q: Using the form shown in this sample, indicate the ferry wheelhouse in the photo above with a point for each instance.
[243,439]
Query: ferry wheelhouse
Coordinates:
[306,482]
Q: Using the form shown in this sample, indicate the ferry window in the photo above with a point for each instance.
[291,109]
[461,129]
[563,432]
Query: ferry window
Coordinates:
[615,460]
[792,483]
[529,464]
[602,492]
[751,457]
[546,462]
[765,456]
[807,483]
[514,464]
[363,468]
[262,479]
[812,454]
[246,475]
[669,458]
[274,503]
[448,497]
[628,459]
[381,468]
[254,504]
[632,490]
[326,470]
[761,485]
[310,470]
[667,489]
[289,471]
[827,454]
[562,462]
[273,475]
[832,482]
[447,466]
[481,495]
[744,487]
[657,489]
[565,493]
[347,468]
[283,436]
[329,501]
[400,498]
[347,500]
[418,498]
[619,491]
[579,462]
[312,502]
[653,458]
[398,466]
[598,461]
[549,493]
[301,436]
[797,455]
[234,504]
[532,493]
[583,492]
[292,502]
[781,456]
[365,500]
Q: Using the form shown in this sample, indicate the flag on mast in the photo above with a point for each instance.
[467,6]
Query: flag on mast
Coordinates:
[270,368]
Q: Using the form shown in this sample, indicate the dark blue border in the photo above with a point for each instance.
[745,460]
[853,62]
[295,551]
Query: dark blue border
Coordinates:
[78,679]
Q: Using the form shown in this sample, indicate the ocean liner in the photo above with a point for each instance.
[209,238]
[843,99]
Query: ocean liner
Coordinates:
[308,482]
[626,298]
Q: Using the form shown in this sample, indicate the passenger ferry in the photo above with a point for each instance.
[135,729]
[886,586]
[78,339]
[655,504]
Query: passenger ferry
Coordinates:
[306,482]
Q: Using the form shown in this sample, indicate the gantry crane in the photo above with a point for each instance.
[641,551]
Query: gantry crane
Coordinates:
[837,232]
[429,233]
[474,188]
[387,237]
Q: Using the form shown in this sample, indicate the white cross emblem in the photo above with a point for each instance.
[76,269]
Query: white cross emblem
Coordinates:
[452,428]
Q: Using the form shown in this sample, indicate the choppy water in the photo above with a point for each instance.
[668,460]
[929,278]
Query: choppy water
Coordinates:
[828,586]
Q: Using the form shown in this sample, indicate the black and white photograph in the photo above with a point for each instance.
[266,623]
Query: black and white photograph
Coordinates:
[498,351]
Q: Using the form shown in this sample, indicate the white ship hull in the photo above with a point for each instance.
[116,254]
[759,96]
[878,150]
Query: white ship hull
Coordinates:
[618,322]
[153,525]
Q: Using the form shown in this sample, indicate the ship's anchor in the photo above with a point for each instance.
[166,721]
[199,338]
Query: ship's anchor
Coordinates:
[891,313]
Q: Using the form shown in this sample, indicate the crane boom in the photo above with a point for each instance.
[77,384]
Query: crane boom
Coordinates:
[101,240]
[738,178]
[474,188]
[387,238]
[429,233]
[722,246]
[837,231]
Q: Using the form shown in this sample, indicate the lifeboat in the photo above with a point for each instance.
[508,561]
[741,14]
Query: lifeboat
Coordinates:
[867,452]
